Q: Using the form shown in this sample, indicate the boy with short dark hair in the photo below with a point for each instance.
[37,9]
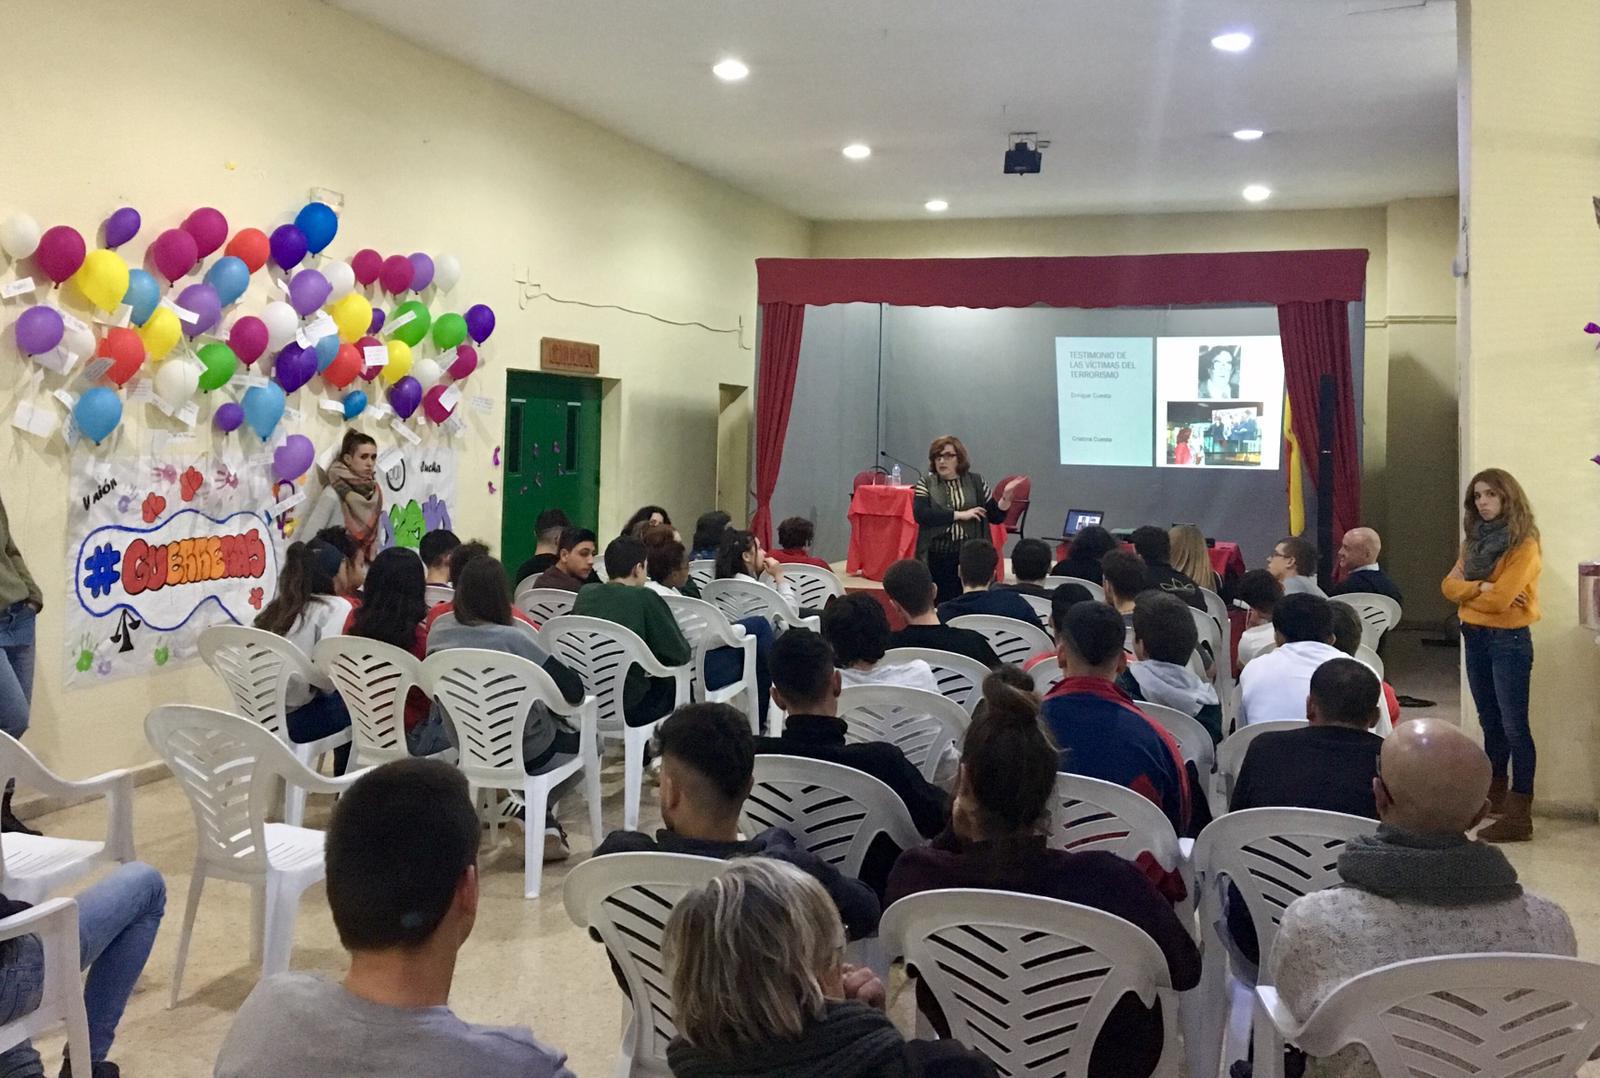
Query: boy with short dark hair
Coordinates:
[978,561]
[624,599]
[911,591]
[1164,638]
[794,542]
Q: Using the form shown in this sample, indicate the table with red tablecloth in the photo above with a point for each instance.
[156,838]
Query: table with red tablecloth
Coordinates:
[883,530]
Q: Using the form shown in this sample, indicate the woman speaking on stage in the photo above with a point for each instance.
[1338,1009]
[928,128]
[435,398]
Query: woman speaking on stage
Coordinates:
[952,504]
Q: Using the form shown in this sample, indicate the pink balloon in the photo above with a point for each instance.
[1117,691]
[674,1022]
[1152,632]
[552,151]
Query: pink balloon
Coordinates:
[368,264]
[248,338]
[174,253]
[433,406]
[61,252]
[208,227]
[396,274]
[465,363]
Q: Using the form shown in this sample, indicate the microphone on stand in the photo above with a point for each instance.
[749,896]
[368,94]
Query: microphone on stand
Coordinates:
[884,453]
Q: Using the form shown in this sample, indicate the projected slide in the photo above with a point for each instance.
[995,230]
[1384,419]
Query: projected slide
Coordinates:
[1219,402]
[1104,385]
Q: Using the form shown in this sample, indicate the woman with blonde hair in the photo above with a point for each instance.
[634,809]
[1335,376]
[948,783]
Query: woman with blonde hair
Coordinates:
[1192,558]
[1495,586]
[759,988]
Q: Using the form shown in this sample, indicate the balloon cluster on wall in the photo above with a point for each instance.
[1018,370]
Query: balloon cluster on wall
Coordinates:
[185,318]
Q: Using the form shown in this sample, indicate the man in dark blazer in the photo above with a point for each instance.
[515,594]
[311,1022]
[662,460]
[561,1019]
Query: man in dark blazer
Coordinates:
[1358,557]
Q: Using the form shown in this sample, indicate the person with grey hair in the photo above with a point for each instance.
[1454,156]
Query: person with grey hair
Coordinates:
[759,988]
[1358,558]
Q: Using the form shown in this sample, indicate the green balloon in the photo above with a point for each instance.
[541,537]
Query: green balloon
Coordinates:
[416,329]
[220,364]
[449,331]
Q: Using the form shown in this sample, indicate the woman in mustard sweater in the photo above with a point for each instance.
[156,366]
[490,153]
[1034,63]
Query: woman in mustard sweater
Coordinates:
[1495,586]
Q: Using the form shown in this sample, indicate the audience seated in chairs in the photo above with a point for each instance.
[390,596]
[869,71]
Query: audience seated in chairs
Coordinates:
[1064,598]
[667,562]
[625,600]
[1347,628]
[978,561]
[574,564]
[1294,563]
[347,582]
[460,557]
[857,629]
[402,851]
[304,610]
[911,591]
[1259,591]
[1164,639]
[393,611]
[1084,553]
[758,988]
[668,566]
[707,770]
[708,535]
[1191,557]
[1030,566]
[435,550]
[1419,888]
[997,840]
[1125,576]
[1154,545]
[547,529]
[1358,557]
[740,555]
[646,516]
[1275,685]
[794,543]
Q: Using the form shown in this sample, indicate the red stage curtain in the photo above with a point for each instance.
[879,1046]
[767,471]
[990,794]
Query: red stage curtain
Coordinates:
[1316,341]
[781,327]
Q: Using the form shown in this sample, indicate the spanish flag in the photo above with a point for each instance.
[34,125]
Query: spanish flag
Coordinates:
[1294,487]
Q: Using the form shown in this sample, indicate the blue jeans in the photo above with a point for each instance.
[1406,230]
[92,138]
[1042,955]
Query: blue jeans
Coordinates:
[323,715]
[1499,667]
[16,673]
[117,922]
[724,665]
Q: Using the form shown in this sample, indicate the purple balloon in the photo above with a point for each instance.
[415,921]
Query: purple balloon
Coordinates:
[294,366]
[480,322]
[39,330]
[122,226]
[404,396]
[308,290]
[288,246]
[377,320]
[421,271]
[293,458]
[228,417]
[202,299]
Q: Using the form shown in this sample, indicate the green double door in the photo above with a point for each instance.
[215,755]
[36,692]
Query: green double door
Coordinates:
[551,457]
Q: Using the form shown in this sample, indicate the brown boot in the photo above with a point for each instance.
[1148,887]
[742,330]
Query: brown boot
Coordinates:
[1497,795]
[1515,824]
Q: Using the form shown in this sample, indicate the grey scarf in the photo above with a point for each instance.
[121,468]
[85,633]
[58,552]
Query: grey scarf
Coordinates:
[1428,869]
[1489,542]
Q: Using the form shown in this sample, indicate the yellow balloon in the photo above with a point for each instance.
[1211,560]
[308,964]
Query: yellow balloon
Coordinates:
[103,278]
[160,332]
[399,362]
[352,314]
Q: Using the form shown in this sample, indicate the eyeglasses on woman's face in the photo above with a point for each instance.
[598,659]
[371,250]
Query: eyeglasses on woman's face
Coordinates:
[948,454]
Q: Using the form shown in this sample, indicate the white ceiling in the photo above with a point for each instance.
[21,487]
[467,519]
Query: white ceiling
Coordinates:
[1357,97]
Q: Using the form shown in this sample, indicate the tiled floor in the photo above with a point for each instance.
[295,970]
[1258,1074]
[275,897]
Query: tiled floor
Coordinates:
[527,964]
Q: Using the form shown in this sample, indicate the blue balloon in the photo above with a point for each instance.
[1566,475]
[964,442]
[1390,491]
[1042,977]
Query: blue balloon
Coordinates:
[263,407]
[327,348]
[355,402]
[320,224]
[230,277]
[143,295]
[98,412]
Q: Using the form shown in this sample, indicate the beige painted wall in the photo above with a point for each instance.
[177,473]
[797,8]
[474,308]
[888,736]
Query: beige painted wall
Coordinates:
[246,107]
[1530,404]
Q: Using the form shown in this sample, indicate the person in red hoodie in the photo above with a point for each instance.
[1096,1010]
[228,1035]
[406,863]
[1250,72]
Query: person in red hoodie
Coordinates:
[794,542]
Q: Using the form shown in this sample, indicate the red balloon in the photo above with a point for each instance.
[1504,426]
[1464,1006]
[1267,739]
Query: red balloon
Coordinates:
[174,253]
[61,252]
[125,350]
[396,274]
[344,368]
[368,264]
[208,227]
[466,362]
[369,373]
[250,246]
[248,338]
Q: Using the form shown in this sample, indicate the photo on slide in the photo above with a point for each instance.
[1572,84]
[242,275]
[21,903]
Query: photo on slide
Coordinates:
[1219,402]
[1217,375]
[1215,434]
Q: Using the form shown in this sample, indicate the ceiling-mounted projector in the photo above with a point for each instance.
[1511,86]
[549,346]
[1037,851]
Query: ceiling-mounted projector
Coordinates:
[1024,158]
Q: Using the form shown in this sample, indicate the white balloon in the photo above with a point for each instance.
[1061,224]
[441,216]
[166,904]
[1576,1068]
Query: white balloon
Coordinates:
[342,279]
[19,235]
[80,342]
[428,372]
[282,324]
[446,272]
[177,381]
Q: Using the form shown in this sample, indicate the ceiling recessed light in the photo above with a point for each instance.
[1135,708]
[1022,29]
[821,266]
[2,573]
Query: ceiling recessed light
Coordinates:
[730,70]
[1232,42]
[936,205]
[1247,134]
[857,150]
[1257,192]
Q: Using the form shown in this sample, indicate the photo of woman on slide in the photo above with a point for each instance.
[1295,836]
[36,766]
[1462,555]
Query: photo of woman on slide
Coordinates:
[1219,372]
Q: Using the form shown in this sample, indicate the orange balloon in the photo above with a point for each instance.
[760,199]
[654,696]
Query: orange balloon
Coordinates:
[125,349]
[344,368]
[250,246]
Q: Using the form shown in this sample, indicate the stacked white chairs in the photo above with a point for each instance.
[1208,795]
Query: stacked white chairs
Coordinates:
[1495,1015]
[960,677]
[373,678]
[1379,614]
[626,898]
[832,810]
[921,724]
[1092,814]
[229,769]
[1013,641]
[488,695]
[601,652]
[1030,981]
[543,604]
[1046,674]
[813,585]
[1096,590]
[1040,604]
[258,667]
[745,597]
[1194,741]
[55,925]
[702,571]
[1231,753]
[707,628]
[439,593]
[32,866]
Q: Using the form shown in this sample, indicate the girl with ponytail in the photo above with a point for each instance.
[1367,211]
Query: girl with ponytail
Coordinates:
[304,610]
[997,841]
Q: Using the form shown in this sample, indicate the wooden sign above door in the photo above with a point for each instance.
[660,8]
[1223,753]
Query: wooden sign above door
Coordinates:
[568,357]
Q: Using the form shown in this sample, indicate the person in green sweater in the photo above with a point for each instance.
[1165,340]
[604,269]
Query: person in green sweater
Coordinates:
[625,599]
[20,603]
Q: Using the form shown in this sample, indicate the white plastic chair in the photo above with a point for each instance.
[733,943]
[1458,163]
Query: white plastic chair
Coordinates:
[55,923]
[1040,604]
[1194,742]
[1012,640]
[702,571]
[626,898]
[439,593]
[1371,658]
[960,677]
[32,866]
[487,696]
[543,604]
[1231,753]
[921,724]
[832,810]
[1210,634]
[373,678]
[706,629]
[1096,590]
[1495,1015]
[745,597]
[1217,607]
[599,570]
[1092,814]
[600,652]
[229,768]
[258,667]
[1379,614]
[813,585]
[1030,981]
[1046,674]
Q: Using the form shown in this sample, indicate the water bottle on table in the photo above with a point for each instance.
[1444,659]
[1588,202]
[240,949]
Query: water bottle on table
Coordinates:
[894,475]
